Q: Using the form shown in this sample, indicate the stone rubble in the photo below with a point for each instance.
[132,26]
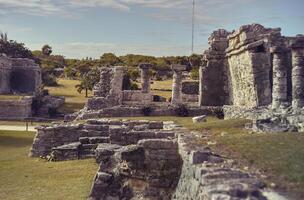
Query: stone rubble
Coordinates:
[147,160]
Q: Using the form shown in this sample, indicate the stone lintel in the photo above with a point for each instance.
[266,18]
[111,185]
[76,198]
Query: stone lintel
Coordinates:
[278,49]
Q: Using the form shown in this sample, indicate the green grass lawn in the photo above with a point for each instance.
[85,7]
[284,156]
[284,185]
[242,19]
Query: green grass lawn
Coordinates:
[158,86]
[73,100]
[22,177]
[10,97]
[278,155]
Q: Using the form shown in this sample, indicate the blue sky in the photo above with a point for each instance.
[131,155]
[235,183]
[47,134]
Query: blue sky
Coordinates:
[81,28]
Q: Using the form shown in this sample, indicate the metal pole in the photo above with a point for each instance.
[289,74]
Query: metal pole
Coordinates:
[193,17]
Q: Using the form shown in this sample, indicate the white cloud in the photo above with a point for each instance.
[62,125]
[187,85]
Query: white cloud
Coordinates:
[95,50]
[31,7]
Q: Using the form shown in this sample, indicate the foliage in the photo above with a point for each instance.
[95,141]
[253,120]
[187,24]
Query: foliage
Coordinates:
[109,59]
[133,74]
[194,74]
[74,101]
[88,80]
[13,49]
[134,86]
[46,50]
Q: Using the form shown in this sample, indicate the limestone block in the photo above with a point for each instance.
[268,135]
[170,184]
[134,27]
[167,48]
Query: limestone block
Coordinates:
[198,119]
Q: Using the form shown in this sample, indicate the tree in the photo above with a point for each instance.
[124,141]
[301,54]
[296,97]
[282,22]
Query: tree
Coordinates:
[109,59]
[3,37]
[133,74]
[13,49]
[46,50]
[88,81]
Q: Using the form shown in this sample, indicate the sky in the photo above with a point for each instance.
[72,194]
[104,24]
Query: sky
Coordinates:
[89,28]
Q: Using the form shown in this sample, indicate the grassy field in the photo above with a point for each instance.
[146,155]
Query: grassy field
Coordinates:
[280,156]
[10,97]
[73,100]
[22,177]
[160,87]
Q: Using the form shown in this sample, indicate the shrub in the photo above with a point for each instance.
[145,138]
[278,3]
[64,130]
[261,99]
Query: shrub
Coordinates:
[182,111]
[134,86]
[194,74]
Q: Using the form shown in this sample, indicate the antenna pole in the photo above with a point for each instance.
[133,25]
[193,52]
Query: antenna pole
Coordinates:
[193,17]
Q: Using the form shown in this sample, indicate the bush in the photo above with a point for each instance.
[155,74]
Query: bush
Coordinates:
[194,74]
[133,74]
[134,86]
[182,111]
[146,111]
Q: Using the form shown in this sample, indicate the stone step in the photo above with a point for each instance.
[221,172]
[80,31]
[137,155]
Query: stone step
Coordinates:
[96,127]
[94,140]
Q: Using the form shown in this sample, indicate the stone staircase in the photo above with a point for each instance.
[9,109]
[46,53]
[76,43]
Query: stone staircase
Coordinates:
[100,134]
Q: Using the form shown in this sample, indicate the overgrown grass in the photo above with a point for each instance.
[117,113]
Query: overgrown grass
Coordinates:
[74,101]
[162,88]
[22,177]
[279,155]
[10,97]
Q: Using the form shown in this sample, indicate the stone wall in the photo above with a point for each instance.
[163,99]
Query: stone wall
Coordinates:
[19,75]
[137,97]
[214,90]
[206,175]
[108,92]
[159,109]
[250,67]
[16,109]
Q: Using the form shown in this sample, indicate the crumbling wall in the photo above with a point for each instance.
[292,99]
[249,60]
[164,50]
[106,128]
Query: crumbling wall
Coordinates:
[250,65]
[5,69]
[16,109]
[148,170]
[108,92]
[214,89]
[190,91]
[19,75]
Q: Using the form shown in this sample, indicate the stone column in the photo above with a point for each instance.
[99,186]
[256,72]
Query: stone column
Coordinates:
[279,91]
[117,84]
[298,73]
[177,83]
[145,78]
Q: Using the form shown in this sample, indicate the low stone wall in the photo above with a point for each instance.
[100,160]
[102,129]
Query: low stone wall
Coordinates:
[16,109]
[137,96]
[238,112]
[205,175]
[144,160]
[129,111]
[147,170]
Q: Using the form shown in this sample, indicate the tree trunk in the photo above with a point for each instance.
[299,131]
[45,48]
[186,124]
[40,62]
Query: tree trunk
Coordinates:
[86,93]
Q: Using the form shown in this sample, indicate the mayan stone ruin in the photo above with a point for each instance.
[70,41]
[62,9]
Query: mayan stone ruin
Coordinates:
[146,160]
[253,73]
[19,76]
[111,100]
[22,76]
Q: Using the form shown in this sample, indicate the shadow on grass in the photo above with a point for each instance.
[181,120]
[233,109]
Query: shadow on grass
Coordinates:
[10,141]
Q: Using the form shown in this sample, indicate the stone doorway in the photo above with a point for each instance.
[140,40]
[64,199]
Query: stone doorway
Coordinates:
[22,81]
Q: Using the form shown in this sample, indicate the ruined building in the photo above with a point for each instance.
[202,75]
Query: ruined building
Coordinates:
[251,67]
[22,77]
[19,76]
